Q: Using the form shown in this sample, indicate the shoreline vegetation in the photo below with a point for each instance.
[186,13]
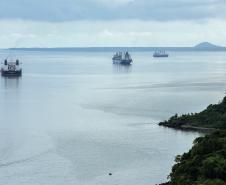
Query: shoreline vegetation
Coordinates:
[205,163]
[213,118]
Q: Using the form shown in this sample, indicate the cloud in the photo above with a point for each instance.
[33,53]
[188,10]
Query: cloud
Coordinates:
[71,10]
[19,33]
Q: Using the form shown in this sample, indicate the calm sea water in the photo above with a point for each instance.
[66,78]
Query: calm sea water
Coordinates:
[73,118]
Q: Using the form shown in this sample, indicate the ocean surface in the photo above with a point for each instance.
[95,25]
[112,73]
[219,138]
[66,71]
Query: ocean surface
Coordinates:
[74,117]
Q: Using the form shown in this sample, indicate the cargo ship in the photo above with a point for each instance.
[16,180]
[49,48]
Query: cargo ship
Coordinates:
[160,53]
[122,58]
[11,68]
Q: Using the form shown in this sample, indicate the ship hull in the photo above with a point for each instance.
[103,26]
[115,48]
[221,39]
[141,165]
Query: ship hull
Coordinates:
[159,56]
[11,73]
[123,62]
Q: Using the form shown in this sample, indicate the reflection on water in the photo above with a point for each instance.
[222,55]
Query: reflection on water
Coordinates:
[121,68]
[11,82]
[10,95]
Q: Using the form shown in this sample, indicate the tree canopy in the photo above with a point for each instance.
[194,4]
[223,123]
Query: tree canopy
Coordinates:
[214,116]
[204,164]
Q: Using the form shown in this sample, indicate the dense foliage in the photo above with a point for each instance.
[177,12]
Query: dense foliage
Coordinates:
[204,164]
[214,116]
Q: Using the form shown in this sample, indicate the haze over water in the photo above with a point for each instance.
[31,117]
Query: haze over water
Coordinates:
[73,117]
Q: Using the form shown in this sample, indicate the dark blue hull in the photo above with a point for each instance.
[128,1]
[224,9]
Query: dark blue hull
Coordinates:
[11,73]
[123,62]
[126,62]
[159,56]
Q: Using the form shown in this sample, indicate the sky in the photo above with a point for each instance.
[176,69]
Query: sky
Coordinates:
[90,23]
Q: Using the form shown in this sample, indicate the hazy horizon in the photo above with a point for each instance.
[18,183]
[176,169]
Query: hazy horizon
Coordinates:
[204,45]
[113,48]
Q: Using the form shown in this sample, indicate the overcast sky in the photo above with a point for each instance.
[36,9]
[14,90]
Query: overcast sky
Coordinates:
[81,23]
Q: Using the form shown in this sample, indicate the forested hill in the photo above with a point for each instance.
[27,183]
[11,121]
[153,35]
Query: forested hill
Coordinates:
[213,117]
[204,164]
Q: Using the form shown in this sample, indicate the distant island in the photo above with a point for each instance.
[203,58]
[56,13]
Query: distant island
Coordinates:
[207,45]
[212,118]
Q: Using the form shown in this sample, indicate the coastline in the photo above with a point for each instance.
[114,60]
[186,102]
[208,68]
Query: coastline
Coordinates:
[209,120]
[190,128]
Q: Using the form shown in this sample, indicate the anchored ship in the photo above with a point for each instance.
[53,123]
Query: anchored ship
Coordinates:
[122,58]
[11,68]
[160,53]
